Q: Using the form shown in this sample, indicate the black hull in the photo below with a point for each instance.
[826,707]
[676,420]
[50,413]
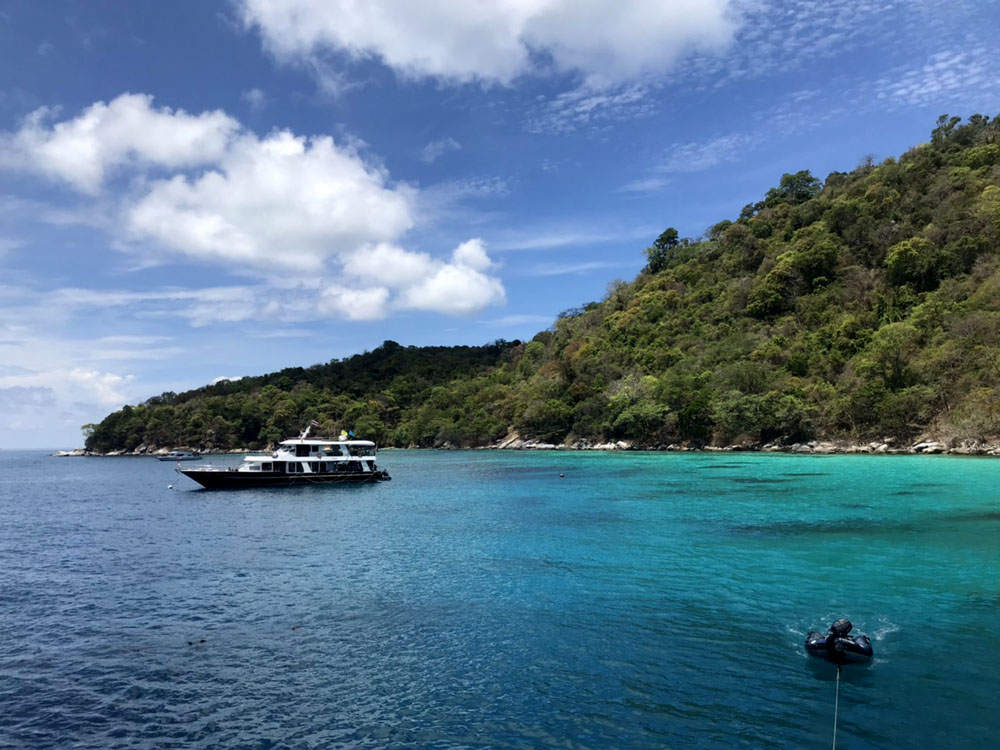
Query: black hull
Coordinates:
[236,480]
[844,649]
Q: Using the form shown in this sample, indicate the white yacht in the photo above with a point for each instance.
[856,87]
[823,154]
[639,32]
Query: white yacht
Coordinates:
[301,460]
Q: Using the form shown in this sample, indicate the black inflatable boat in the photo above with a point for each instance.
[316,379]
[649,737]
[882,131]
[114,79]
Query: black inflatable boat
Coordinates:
[838,647]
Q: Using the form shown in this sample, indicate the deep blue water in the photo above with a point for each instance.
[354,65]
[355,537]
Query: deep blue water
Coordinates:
[478,600]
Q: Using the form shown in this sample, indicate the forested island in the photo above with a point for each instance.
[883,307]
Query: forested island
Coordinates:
[864,307]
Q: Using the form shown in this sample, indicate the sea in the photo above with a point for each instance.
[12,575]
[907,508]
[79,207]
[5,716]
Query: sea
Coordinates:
[486,599]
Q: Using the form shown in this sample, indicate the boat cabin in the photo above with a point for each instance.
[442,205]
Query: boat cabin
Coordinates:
[304,456]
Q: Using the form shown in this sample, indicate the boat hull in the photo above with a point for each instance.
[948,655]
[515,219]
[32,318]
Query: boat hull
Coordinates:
[843,649]
[235,480]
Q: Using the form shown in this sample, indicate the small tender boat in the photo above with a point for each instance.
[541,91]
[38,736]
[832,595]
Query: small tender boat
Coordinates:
[837,646]
[179,456]
[297,461]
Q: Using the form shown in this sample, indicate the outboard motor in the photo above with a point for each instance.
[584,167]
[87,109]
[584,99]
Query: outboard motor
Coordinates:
[837,646]
[841,627]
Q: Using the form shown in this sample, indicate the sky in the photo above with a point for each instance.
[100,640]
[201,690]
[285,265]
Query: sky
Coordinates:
[204,189]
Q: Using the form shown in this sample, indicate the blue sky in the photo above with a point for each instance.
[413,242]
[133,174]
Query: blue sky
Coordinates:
[194,190]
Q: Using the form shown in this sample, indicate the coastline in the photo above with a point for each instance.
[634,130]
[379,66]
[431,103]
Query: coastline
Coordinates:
[887,446]
[513,442]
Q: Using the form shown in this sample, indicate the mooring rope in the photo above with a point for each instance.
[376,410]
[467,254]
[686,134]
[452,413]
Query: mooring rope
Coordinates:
[836,707]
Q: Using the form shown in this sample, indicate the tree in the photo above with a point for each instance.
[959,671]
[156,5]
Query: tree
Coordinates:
[919,263]
[659,252]
[794,188]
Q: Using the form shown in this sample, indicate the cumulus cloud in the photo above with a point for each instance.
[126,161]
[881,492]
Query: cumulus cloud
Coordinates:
[282,202]
[307,213]
[368,303]
[605,40]
[460,287]
[390,264]
[83,150]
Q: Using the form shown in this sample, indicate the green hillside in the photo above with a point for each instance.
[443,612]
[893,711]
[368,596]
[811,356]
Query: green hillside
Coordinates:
[861,307]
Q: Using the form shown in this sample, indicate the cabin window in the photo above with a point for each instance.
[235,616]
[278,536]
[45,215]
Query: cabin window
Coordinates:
[314,467]
[267,467]
[301,450]
[279,467]
[254,467]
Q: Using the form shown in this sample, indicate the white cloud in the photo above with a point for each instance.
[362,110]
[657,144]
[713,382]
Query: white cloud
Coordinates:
[390,265]
[519,320]
[369,303]
[568,269]
[307,214]
[436,149]
[283,202]
[455,290]
[645,185]
[40,405]
[695,157]
[692,157]
[590,108]
[256,98]
[945,75]
[60,386]
[127,130]
[460,287]
[472,254]
[551,238]
[456,40]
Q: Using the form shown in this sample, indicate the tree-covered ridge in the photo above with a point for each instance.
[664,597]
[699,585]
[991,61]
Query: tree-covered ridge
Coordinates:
[366,393]
[864,306]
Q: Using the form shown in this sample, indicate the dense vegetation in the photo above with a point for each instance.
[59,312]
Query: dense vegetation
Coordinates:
[864,306]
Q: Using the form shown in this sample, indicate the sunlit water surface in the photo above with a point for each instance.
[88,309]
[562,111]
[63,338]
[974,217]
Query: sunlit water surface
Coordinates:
[480,600]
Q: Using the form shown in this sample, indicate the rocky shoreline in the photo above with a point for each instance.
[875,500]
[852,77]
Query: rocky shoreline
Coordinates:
[885,446]
[514,442]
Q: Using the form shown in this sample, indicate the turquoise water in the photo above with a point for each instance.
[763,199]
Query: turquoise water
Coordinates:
[479,600]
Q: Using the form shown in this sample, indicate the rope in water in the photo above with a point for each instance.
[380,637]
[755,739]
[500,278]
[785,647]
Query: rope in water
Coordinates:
[836,707]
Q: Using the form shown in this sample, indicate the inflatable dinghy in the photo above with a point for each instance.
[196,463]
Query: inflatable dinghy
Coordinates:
[838,647]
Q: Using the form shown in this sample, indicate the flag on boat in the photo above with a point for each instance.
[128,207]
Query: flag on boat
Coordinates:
[314,423]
